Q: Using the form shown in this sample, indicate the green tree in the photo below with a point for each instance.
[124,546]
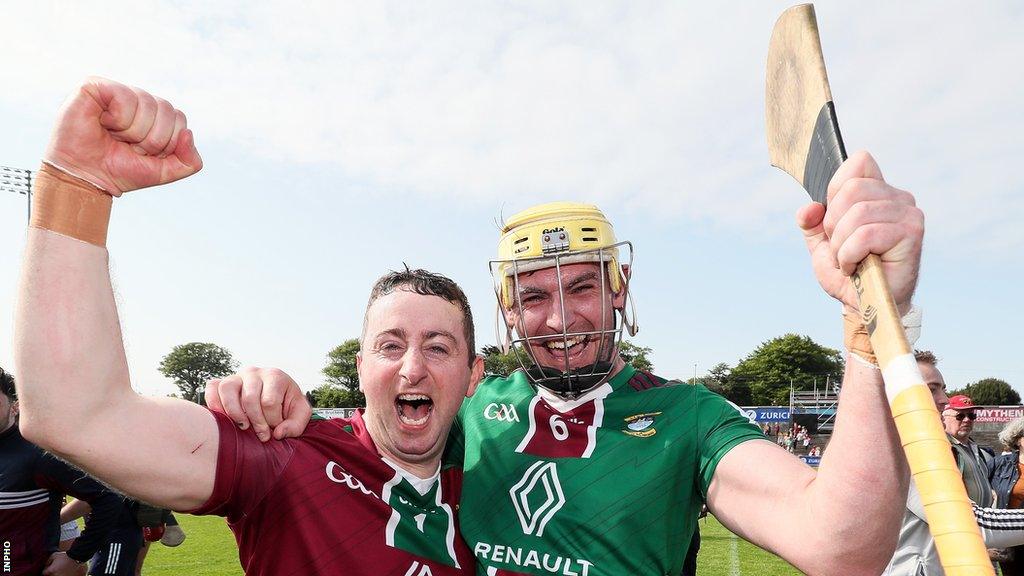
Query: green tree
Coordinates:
[719,380]
[636,355]
[770,368]
[342,387]
[332,396]
[497,363]
[191,365]
[990,392]
[341,365]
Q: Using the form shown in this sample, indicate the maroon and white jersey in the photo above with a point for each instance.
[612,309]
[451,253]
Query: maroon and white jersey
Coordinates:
[325,503]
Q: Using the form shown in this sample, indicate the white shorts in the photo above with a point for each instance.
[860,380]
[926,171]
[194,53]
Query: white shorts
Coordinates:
[69,531]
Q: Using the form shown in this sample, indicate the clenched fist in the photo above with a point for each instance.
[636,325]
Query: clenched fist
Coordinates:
[865,216]
[122,138]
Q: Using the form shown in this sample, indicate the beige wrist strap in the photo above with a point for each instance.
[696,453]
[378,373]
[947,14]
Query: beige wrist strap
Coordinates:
[856,339]
[70,206]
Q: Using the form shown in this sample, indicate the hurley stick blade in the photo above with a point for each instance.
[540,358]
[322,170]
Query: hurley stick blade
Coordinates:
[804,140]
[803,133]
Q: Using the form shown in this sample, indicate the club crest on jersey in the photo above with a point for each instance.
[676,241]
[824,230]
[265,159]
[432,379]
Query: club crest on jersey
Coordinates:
[641,425]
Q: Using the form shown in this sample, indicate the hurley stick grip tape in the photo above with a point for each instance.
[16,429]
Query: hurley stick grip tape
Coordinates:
[947,508]
[943,495]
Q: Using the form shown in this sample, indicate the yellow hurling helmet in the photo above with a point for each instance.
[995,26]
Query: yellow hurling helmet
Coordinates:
[558,234]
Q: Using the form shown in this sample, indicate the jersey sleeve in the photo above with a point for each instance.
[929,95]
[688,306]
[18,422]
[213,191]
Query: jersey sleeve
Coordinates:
[106,505]
[247,470]
[721,426]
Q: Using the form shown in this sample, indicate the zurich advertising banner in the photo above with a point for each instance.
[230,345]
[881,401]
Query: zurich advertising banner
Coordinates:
[762,414]
[813,461]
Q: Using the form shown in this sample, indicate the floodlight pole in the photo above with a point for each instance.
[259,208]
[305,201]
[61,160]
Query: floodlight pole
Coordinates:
[19,181]
[28,198]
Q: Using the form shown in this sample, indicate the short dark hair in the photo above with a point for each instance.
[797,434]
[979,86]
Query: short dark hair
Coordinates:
[926,356]
[426,283]
[7,385]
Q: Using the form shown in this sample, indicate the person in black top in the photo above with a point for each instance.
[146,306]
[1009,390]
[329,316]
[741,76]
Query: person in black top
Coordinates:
[32,488]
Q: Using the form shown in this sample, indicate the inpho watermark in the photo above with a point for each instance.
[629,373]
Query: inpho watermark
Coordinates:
[7,556]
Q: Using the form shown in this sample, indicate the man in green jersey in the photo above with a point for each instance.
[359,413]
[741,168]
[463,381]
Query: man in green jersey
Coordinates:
[580,465]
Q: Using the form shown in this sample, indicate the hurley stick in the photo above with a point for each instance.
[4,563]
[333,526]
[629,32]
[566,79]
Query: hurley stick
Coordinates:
[804,140]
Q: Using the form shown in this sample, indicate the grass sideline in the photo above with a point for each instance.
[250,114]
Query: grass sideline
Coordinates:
[724,553]
[209,550]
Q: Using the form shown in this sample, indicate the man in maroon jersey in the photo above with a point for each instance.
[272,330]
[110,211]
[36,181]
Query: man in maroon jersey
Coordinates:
[363,496]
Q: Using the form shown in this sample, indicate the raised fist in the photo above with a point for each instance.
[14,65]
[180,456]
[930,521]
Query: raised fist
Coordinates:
[865,216]
[121,138]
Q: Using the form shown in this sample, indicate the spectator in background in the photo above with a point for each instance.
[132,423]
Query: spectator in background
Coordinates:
[158,524]
[958,420]
[33,484]
[1005,477]
[126,549]
[118,554]
[915,551]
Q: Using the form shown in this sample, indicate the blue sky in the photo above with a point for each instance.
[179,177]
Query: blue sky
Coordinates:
[341,140]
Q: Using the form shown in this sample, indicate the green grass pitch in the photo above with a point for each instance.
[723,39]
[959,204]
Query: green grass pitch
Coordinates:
[723,553]
[209,550]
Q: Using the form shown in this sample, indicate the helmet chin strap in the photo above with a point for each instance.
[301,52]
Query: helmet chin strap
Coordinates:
[574,383]
[571,383]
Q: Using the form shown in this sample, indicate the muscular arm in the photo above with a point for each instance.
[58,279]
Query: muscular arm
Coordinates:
[76,399]
[797,513]
[853,505]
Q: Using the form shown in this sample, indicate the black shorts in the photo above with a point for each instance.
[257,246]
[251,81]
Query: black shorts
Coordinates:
[119,554]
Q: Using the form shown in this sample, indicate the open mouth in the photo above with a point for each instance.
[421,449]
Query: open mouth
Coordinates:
[562,348]
[414,409]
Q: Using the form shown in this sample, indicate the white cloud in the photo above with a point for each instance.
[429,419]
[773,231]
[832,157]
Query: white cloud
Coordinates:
[653,107]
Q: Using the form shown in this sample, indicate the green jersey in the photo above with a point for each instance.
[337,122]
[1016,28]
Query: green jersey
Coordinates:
[607,484]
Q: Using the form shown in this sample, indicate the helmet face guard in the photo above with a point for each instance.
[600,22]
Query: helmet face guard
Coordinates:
[553,236]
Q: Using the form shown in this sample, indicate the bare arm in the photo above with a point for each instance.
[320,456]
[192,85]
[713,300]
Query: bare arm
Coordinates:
[797,513]
[853,505]
[76,399]
[74,510]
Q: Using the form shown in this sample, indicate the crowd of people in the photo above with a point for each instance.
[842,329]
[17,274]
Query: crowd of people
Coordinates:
[551,470]
[793,437]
